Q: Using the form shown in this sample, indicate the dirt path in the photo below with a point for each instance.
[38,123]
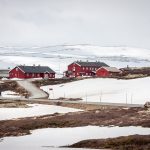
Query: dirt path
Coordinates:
[35,92]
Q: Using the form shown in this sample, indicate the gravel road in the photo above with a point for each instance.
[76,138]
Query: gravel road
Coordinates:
[35,92]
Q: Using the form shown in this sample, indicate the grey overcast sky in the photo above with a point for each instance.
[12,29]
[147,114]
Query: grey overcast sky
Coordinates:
[98,22]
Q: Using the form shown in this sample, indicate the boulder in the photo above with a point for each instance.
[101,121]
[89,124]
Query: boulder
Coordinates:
[147,105]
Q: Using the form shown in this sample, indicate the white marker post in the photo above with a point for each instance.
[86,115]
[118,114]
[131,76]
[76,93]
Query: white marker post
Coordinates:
[86,97]
[100,96]
[131,98]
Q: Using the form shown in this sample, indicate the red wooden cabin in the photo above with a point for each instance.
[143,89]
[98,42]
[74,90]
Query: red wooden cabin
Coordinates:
[107,72]
[26,72]
[79,68]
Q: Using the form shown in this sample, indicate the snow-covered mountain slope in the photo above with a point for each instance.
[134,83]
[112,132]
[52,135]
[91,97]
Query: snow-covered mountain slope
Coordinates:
[58,57]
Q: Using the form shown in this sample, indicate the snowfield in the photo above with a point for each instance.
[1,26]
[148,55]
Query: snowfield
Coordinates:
[59,56]
[33,110]
[51,138]
[135,91]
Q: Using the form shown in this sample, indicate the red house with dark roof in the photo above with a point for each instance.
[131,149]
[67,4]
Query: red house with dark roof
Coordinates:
[107,72]
[80,68]
[26,72]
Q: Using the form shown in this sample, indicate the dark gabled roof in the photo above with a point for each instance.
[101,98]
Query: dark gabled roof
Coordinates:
[91,64]
[36,69]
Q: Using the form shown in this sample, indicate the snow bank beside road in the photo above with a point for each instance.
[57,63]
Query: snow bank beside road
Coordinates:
[134,91]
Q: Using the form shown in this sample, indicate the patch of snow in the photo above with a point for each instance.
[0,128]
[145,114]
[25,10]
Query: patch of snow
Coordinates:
[15,79]
[134,91]
[33,110]
[3,79]
[58,75]
[10,94]
[34,79]
[66,136]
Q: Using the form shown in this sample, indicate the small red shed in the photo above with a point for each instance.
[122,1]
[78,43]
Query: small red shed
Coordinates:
[26,72]
[107,72]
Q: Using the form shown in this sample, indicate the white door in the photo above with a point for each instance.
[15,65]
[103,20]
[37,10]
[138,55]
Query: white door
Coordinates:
[45,76]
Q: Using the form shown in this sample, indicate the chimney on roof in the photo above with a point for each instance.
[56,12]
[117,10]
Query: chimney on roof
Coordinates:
[34,65]
[87,60]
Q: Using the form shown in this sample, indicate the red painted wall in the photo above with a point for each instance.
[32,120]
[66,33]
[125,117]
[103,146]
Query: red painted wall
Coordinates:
[102,73]
[18,73]
[77,70]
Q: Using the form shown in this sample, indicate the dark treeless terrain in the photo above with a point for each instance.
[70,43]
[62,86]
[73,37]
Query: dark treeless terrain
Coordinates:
[133,142]
[93,115]
[13,86]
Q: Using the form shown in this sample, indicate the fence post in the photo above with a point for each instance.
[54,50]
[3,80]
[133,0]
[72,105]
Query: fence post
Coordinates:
[126,98]
[86,97]
[64,95]
[131,98]
[100,96]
